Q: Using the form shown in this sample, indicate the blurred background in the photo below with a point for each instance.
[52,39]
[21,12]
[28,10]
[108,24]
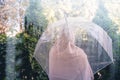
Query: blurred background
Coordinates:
[23,21]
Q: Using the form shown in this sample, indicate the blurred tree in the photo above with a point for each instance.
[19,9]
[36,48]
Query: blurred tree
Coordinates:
[103,20]
[26,66]
[35,15]
[2,55]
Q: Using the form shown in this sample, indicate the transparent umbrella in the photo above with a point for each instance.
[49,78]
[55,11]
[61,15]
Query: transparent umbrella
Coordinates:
[87,36]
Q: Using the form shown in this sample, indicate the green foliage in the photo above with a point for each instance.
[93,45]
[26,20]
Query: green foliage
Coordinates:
[2,55]
[2,38]
[28,68]
[35,22]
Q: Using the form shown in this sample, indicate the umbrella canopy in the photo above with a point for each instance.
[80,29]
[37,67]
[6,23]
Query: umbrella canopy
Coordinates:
[90,38]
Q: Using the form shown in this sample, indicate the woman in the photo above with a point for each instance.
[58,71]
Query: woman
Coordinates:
[67,61]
